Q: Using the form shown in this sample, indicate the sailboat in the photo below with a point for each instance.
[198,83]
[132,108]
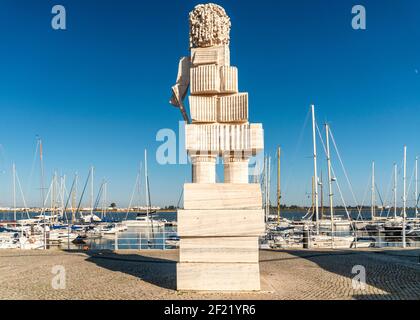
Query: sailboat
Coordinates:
[330,237]
[91,217]
[143,220]
[18,235]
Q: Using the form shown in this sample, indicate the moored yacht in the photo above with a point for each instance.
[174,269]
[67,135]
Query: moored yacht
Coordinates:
[144,221]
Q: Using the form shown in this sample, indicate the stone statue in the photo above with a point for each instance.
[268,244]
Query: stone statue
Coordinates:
[220,224]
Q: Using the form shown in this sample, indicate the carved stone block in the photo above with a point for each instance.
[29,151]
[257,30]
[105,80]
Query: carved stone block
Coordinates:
[221,223]
[219,250]
[203,109]
[233,108]
[219,55]
[205,80]
[228,79]
[222,196]
[218,276]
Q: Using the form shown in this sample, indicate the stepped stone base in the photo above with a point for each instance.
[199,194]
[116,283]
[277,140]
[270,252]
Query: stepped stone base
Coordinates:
[221,223]
[218,277]
[220,250]
[222,196]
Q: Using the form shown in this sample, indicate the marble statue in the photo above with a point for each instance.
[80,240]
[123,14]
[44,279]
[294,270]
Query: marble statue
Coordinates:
[221,223]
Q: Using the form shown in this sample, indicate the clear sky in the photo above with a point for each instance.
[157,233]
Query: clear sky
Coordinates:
[97,93]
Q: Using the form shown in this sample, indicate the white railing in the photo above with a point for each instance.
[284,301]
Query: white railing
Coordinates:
[162,240]
[343,239]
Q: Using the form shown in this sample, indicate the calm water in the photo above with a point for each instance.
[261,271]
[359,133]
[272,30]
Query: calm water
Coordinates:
[171,216]
[111,216]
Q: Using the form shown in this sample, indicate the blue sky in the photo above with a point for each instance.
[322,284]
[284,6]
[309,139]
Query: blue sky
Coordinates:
[98,92]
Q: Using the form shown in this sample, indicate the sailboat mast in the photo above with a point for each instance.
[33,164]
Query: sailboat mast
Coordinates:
[373,205]
[315,165]
[321,185]
[417,187]
[313,198]
[404,196]
[63,195]
[103,198]
[138,186]
[268,186]
[106,199]
[267,169]
[14,192]
[395,190]
[146,183]
[54,196]
[91,192]
[327,132]
[41,163]
[74,194]
[278,185]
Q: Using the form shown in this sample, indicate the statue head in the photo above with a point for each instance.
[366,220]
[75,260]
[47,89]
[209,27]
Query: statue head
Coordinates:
[209,26]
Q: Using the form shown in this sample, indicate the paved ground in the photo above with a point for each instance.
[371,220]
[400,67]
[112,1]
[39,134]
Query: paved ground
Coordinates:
[298,274]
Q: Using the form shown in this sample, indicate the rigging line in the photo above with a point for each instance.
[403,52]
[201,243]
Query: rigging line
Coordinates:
[363,202]
[69,196]
[310,213]
[411,182]
[132,195]
[380,197]
[333,172]
[341,196]
[298,147]
[32,167]
[83,192]
[383,203]
[180,197]
[99,196]
[342,165]
[150,205]
[388,195]
[139,188]
[63,197]
[47,196]
[65,192]
[22,195]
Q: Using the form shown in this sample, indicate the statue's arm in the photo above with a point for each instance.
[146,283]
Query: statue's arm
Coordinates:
[180,89]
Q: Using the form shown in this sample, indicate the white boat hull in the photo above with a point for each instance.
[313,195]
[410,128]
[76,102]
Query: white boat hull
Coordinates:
[142,223]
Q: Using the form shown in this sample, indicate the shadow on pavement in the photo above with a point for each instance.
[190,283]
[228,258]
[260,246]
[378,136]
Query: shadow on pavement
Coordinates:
[395,271]
[157,271]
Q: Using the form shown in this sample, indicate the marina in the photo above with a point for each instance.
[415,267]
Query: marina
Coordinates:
[123,235]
